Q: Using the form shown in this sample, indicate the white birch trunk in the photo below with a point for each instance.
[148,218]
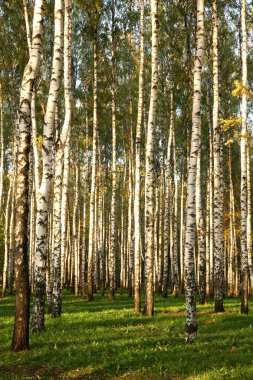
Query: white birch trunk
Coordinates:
[85,202]
[249,220]
[167,206]
[137,193]
[218,199]
[33,112]
[244,253]
[112,253]
[149,178]
[93,173]
[20,339]
[43,194]
[1,148]
[64,209]
[60,144]
[182,233]
[75,230]
[191,317]
[11,236]
[175,221]
[200,234]
[7,238]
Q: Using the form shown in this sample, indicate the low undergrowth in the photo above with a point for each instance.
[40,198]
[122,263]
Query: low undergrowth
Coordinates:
[107,340]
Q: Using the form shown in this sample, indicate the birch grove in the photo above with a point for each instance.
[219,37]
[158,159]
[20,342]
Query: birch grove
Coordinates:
[125,156]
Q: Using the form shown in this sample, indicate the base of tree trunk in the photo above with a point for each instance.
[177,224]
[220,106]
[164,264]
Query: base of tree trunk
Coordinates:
[38,325]
[49,308]
[56,310]
[149,311]
[159,290]
[20,339]
[111,295]
[218,307]
[190,332]
[244,294]
[137,302]
[90,297]
[202,300]
[19,348]
[244,308]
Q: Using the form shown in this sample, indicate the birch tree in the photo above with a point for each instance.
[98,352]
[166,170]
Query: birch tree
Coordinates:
[112,254]
[200,233]
[6,238]
[168,182]
[1,147]
[244,254]
[137,218]
[35,154]
[191,316]
[43,196]
[59,150]
[64,209]
[149,173]
[94,19]
[217,199]
[20,338]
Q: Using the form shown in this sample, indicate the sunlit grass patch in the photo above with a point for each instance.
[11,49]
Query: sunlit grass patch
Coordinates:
[108,340]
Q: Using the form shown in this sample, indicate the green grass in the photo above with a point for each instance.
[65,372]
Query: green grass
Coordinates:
[107,340]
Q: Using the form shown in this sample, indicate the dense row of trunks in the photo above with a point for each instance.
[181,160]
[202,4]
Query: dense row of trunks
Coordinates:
[64,229]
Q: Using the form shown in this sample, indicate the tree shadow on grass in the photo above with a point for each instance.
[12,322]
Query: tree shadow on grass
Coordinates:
[106,340]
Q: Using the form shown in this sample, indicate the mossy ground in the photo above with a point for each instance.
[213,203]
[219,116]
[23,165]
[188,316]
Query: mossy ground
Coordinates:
[107,340]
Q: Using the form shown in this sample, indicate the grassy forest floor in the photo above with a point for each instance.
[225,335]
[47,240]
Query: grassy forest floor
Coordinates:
[107,340]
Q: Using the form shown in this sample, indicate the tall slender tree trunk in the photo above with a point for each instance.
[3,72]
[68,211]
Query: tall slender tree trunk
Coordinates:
[112,253]
[249,220]
[93,173]
[11,234]
[6,239]
[137,194]
[85,201]
[191,316]
[208,235]
[167,205]
[59,150]
[20,339]
[182,233]
[175,221]
[200,234]
[43,195]
[161,229]
[130,229]
[149,178]
[211,218]
[64,209]
[232,237]
[244,253]
[33,112]
[75,229]
[1,148]
[218,243]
